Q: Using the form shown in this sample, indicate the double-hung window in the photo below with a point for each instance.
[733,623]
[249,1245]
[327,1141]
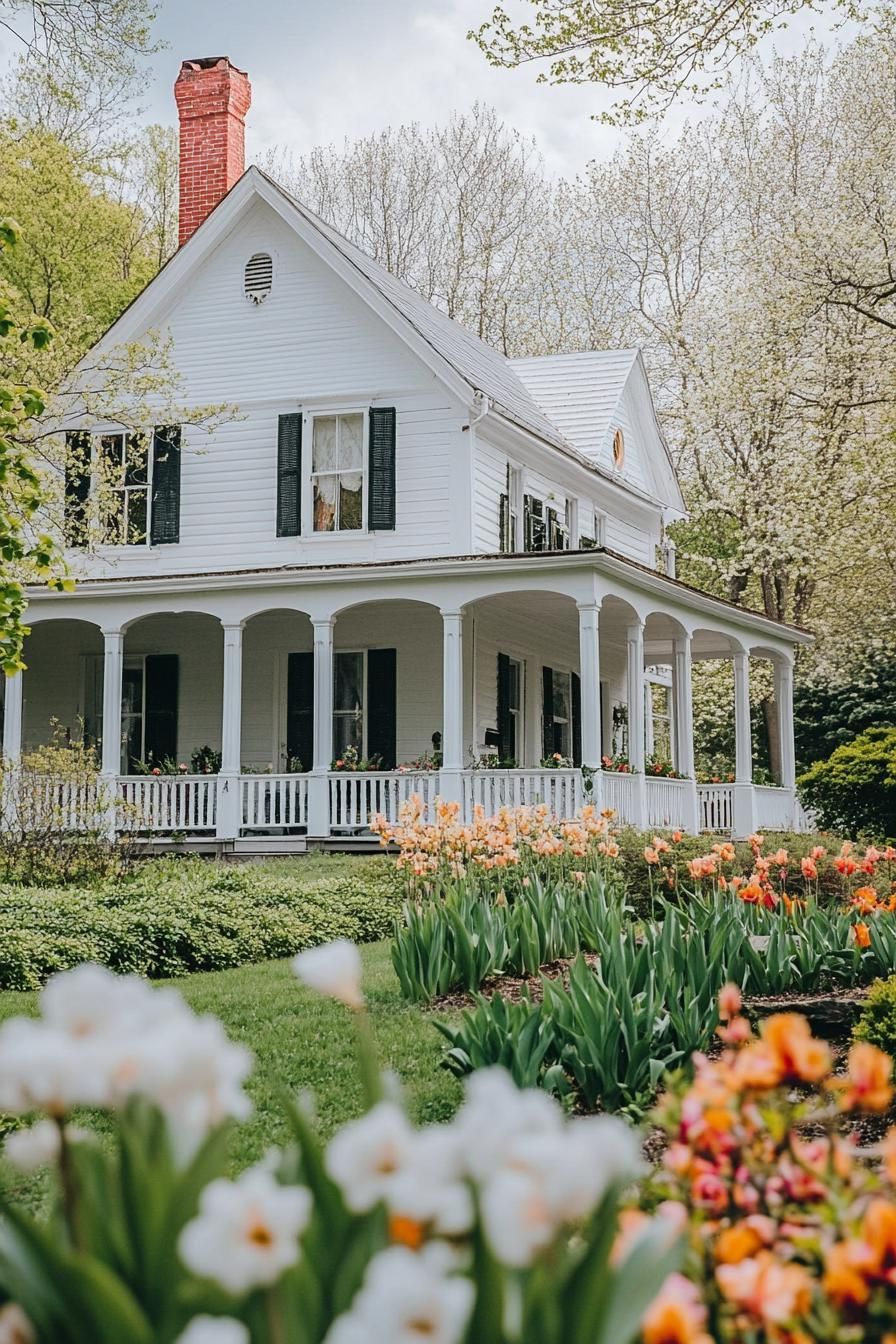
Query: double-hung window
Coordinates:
[562,713]
[338,472]
[123,482]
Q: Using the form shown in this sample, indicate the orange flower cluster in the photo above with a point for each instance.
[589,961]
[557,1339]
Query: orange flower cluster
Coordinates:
[514,838]
[789,1222]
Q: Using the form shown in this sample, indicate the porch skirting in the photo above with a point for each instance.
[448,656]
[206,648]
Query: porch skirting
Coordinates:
[333,804]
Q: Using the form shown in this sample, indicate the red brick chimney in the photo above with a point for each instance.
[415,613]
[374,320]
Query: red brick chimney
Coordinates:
[212,99]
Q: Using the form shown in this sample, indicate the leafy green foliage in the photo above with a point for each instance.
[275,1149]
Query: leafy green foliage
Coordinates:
[855,789]
[518,1036]
[830,712]
[877,1023]
[175,916]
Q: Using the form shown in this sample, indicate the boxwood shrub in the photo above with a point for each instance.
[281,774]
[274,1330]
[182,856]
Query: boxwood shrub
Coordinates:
[174,916]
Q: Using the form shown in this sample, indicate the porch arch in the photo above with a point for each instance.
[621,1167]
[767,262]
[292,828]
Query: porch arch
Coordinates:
[172,679]
[63,660]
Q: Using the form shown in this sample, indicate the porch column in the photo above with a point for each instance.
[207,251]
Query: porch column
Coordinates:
[451,781]
[744,805]
[12,720]
[784,701]
[113,661]
[635,697]
[229,801]
[318,780]
[682,690]
[589,672]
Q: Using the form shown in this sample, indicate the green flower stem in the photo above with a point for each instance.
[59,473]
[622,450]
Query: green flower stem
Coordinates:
[70,1203]
[371,1077]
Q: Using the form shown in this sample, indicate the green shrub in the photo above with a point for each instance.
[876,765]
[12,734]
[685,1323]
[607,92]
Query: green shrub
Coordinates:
[174,916]
[854,790]
[877,1023]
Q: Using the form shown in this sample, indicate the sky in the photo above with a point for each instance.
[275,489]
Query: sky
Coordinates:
[324,70]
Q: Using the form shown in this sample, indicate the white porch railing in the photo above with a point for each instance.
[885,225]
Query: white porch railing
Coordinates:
[171,802]
[616,791]
[716,807]
[273,801]
[355,798]
[559,790]
[666,803]
[40,802]
[774,808]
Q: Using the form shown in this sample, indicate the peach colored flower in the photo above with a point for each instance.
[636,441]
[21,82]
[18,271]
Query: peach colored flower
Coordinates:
[730,1001]
[846,1267]
[862,934]
[800,1056]
[808,868]
[736,1243]
[771,1292]
[676,1315]
[867,1085]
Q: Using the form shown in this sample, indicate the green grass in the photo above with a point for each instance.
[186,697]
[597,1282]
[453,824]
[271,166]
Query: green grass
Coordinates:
[300,1041]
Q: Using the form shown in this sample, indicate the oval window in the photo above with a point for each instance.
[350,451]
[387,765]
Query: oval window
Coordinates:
[618,449]
[259,276]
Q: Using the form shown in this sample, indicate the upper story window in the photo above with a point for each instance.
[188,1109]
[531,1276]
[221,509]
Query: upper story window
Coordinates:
[338,473]
[597,536]
[122,488]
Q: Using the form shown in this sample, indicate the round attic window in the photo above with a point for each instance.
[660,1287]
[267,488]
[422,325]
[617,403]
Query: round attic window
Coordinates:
[259,277]
[618,449]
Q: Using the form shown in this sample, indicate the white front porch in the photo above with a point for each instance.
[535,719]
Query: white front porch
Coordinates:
[517,658]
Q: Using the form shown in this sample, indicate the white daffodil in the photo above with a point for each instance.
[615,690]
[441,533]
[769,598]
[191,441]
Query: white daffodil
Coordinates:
[366,1155]
[247,1231]
[517,1218]
[43,1069]
[333,969]
[494,1112]
[430,1189]
[406,1299]
[15,1327]
[90,1000]
[39,1144]
[214,1330]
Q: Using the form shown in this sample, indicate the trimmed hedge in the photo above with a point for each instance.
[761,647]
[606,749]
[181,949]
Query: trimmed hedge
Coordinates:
[175,916]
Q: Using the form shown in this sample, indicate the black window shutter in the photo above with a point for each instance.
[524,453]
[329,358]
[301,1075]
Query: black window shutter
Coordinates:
[576,693]
[547,711]
[161,707]
[533,511]
[506,745]
[77,487]
[381,707]
[300,709]
[289,475]
[504,523]
[165,520]
[381,478]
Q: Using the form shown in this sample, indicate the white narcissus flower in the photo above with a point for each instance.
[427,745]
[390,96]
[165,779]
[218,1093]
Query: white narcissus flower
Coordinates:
[333,969]
[366,1155]
[15,1327]
[406,1298]
[214,1330]
[431,1189]
[38,1144]
[494,1112]
[516,1217]
[246,1232]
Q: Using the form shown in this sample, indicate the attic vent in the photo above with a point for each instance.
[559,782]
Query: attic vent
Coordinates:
[259,277]
[618,449]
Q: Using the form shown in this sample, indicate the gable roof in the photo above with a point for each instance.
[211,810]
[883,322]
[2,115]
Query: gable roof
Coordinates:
[581,394]
[481,366]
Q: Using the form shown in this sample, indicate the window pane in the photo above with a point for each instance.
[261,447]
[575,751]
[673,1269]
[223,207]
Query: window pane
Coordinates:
[325,503]
[349,693]
[132,690]
[323,453]
[351,441]
[347,732]
[136,460]
[113,518]
[351,503]
[514,687]
[136,517]
[111,450]
[561,695]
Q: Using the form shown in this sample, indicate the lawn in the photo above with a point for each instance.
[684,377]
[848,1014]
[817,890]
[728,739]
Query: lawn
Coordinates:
[300,1041]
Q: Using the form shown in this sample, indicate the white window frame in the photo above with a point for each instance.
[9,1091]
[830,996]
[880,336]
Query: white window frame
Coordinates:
[96,456]
[344,713]
[600,528]
[572,523]
[515,491]
[309,474]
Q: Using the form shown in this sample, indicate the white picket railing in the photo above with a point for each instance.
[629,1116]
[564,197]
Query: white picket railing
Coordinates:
[271,801]
[35,802]
[356,797]
[666,803]
[559,790]
[716,807]
[774,808]
[616,790]
[170,802]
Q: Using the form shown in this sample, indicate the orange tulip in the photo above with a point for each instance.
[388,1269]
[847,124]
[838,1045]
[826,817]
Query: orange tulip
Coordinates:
[867,1085]
[862,934]
[676,1316]
[845,1268]
[799,1055]
[737,1243]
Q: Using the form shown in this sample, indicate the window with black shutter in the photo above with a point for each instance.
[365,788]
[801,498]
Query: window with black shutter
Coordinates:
[300,711]
[381,706]
[504,523]
[547,711]
[510,691]
[533,522]
[381,481]
[160,742]
[165,515]
[77,487]
[558,712]
[289,475]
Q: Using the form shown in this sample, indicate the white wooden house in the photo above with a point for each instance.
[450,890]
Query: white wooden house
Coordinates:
[401,539]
